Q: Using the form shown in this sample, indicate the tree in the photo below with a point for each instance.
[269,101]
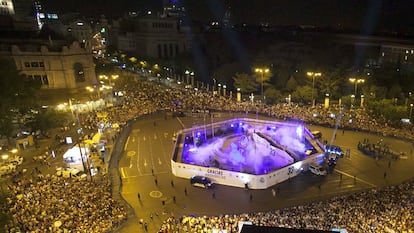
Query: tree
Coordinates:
[394,91]
[328,83]
[273,95]
[224,74]
[303,94]
[376,92]
[17,94]
[245,82]
[48,119]
[291,84]
[386,109]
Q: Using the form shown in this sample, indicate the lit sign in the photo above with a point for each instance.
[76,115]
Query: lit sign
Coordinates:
[69,140]
[214,172]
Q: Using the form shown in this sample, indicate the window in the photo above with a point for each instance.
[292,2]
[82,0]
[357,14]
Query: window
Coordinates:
[171,50]
[27,64]
[165,50]
[34,64]
[45,80]
[37,79]
[79,74]
[41,64]
[159,51]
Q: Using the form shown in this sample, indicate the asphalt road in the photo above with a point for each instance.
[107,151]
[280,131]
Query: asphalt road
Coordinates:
[145,170]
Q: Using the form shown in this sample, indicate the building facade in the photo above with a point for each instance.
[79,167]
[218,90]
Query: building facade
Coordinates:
[69,67]
[158,37]
[397,54]
[22,13]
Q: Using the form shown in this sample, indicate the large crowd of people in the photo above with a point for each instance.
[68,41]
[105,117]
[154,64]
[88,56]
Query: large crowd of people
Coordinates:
[386,210]
[144,97]
[54,204]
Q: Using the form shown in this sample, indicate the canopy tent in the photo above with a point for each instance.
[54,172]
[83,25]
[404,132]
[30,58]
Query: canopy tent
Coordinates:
[73,155]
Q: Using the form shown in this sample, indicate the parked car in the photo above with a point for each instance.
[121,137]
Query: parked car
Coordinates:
[201,181]
[316,134]
[318,170]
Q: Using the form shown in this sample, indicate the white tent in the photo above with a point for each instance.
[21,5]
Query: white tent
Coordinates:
[73,155]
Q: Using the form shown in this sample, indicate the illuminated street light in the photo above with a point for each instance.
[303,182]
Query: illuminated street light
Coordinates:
[92,90]
[103,77]
[356,81]
[262,71]
[114,77]
[411,111]
[313,75]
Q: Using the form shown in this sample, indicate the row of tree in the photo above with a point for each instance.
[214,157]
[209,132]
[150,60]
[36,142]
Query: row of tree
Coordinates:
[288,60]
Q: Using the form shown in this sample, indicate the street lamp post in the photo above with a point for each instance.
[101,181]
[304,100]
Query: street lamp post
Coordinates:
[214,86]
[262,71]
[192,79]
[356,81]
[352,100]
[313,75]
[219,89]
[187,76]
[411,111]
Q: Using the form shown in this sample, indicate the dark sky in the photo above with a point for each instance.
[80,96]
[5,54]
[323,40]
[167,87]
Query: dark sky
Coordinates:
[347,13]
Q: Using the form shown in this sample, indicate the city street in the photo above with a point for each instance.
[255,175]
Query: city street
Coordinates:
[155,194]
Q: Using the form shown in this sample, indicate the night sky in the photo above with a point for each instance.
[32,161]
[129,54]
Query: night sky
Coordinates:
[388,14]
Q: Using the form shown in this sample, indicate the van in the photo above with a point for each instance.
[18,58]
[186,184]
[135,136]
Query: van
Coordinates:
[70,173]
[201,181]
[318,170]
